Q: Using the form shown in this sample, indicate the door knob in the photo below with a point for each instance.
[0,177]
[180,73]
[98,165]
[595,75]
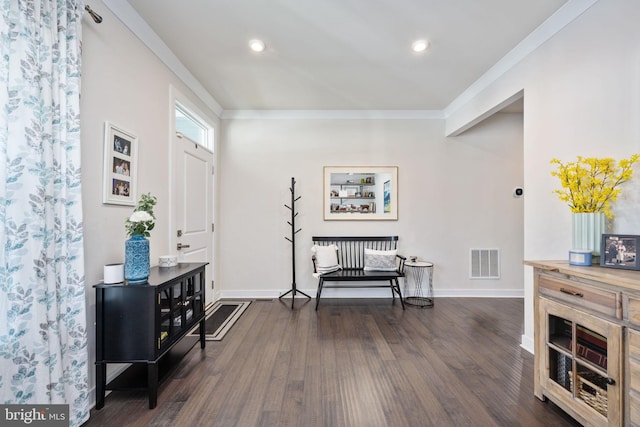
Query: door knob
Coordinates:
[181,246]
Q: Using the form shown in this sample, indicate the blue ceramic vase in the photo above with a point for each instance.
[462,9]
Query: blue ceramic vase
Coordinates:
[136,259]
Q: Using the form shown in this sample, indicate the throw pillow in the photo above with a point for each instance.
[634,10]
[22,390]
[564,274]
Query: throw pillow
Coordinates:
[326,258]
[375,260]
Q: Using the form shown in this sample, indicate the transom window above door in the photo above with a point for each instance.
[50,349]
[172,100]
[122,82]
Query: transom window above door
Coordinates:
[193,128]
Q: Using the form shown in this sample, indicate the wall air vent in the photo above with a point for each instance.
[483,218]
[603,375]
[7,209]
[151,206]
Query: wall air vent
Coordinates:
[484,264]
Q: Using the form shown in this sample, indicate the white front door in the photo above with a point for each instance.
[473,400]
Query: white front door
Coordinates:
[193,208]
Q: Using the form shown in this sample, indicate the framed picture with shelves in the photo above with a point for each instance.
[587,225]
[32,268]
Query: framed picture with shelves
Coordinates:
[360,193]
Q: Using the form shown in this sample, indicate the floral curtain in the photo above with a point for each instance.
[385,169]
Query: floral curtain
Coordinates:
[43,337]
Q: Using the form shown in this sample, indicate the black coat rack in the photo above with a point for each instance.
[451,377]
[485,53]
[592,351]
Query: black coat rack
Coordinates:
[292,223]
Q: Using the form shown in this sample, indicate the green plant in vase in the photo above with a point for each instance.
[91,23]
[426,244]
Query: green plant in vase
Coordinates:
[138,227]
[142,220]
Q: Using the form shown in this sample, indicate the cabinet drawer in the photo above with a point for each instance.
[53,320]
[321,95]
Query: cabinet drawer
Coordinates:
[632,310]
[580,295]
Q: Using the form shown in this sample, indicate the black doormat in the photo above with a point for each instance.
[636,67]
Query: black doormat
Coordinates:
[221,317]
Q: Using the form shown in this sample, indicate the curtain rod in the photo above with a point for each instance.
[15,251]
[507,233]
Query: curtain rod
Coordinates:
[96,18]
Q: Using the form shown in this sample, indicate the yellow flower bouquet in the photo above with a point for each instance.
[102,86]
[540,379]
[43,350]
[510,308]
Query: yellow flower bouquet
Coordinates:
[590,184]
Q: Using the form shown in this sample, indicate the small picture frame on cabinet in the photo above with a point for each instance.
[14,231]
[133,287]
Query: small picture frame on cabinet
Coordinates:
[619,251]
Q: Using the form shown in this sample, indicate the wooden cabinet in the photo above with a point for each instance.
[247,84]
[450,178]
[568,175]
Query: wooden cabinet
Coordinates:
[581,366]
[587,341]
[139,324]
[633,377]
[631,311]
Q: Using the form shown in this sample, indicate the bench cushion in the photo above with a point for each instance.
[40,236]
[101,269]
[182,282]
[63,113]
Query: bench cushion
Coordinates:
[375,260]
[326,258]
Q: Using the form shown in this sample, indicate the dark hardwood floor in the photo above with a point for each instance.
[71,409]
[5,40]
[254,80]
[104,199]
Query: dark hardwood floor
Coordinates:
[352,363]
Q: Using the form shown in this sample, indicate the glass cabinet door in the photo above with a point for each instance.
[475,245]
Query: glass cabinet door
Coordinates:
[194,290]
[171,312]
[591,368]
[164,301]
[578,346]
[560,347]
[178,306]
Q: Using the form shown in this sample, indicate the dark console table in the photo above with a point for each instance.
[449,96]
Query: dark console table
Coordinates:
[141,323]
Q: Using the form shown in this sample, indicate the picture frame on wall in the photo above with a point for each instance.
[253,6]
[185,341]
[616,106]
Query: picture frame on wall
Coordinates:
[360,193]
[620,251]
[120,166]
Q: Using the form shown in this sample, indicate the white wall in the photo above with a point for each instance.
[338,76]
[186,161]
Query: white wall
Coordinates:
[454,194]
[123,83]
[580,98]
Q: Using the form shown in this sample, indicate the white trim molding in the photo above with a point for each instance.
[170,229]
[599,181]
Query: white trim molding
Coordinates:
[556,22]
[563,16]
[526,343]
[373,293]
[334,114]
[138,26]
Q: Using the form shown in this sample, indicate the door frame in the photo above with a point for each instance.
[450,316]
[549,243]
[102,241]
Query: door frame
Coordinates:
[177,98]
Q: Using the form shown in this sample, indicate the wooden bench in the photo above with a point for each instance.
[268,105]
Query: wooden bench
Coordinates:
[351,258]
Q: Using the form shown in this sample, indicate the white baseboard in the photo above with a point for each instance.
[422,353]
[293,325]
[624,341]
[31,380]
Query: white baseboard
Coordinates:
[480,293]
[526,342]
[371,293]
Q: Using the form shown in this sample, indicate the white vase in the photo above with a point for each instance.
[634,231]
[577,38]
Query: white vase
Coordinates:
[587,231]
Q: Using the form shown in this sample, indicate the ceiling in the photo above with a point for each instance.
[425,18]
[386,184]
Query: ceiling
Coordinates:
[341,54]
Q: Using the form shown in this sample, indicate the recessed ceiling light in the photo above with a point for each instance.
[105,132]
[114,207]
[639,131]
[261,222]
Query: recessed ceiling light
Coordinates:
[420,45]
[257,45]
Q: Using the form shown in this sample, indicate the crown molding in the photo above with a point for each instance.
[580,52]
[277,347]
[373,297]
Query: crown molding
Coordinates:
[556,22]
[334,114]
[562,17]
[139,27]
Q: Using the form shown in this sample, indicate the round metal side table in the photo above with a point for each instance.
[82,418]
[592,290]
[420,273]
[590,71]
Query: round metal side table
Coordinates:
[418,289]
